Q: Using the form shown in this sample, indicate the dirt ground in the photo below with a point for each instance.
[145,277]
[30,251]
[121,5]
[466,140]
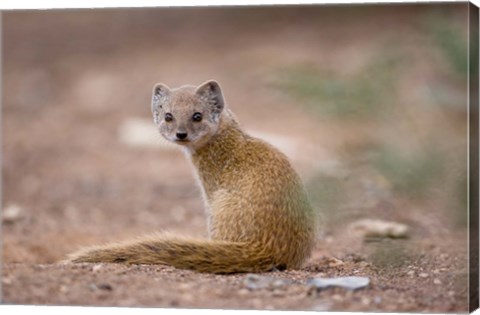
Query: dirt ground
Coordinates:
[72,79]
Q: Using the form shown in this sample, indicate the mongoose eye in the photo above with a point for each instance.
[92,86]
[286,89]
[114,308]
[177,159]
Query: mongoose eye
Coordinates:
[168,117]
[197,117]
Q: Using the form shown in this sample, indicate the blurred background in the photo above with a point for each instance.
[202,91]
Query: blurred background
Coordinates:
[368,101]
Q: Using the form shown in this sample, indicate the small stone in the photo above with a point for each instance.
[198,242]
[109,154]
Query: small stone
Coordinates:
[437,281]
[423,275]
[97,267]
[451,293]
[102,286]
[256,282]
[11,213]
[411,273]
[278,283]
[377,299]
[350,283]
[380,228]
[93,287]
[105,286]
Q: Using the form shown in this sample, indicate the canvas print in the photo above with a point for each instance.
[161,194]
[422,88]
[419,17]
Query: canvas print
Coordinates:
[302,157]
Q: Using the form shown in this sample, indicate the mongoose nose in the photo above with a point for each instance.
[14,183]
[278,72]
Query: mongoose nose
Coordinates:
[181,136]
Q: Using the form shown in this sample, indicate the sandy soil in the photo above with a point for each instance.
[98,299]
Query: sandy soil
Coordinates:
[72,79]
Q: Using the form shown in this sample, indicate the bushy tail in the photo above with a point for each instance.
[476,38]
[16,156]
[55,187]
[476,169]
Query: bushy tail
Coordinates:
[184,253]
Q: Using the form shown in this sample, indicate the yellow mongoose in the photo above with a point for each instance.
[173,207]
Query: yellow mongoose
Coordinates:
[259,216]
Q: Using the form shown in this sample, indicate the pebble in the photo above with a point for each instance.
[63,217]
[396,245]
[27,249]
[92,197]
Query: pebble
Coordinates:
[437,281]
[256,282]
[11,213]
[105,286]
[380,228]
[423,275]
[102,286]
[92,287]
[350,283]
[411,273]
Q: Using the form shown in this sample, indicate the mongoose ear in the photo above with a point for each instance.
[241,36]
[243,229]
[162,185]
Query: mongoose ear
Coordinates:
[211,92]
[160,95]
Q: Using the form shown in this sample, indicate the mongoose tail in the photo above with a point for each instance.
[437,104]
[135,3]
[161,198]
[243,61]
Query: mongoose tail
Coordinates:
[211,256]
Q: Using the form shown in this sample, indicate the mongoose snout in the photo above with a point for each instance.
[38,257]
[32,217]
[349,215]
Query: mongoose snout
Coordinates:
[181,135]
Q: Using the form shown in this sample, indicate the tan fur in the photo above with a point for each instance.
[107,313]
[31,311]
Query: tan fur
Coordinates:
[259,216]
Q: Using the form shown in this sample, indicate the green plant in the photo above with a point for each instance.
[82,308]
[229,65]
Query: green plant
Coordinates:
[452,41]
[413,173]
[364,94]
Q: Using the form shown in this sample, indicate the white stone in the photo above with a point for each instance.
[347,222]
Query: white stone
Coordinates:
[11,213]
[380,228]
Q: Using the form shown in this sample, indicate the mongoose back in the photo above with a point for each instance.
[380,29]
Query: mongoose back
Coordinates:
[259,216]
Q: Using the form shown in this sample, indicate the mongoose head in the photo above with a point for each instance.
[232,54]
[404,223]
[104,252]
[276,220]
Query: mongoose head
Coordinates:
[188,115]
